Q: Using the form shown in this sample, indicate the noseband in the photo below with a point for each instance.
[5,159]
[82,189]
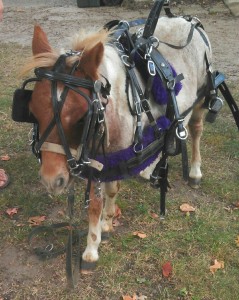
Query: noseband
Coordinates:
[77,159]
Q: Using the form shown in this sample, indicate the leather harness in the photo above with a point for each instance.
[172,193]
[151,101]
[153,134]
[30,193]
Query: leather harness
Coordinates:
[82,161]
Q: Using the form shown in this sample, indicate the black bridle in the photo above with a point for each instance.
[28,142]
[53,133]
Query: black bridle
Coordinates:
[93,118]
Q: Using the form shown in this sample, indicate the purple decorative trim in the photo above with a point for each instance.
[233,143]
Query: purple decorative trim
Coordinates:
[116,159]
[158,90]
[113,160]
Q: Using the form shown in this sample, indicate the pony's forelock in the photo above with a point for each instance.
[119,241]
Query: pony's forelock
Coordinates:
[81,41]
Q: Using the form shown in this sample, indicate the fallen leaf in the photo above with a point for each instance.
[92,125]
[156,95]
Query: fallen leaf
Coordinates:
[129,297]
[167,269]
[237,241]
[140,234]
[61,213]
[236,204]
[11,211]
[5,157]
[135,297]
[142,297]
[185,207]
[217,265]
[154,215]
[118,212]
[37,220]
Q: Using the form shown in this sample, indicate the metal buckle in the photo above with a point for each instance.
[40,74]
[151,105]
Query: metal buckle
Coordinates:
[183,134]
[151,68]
[145,105]
[155,41]
[97,86]
[125,61]
[119,46]
[124,22]
[73,53]
[171,84]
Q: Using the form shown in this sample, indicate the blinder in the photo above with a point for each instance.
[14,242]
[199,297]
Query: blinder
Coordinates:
[20,104]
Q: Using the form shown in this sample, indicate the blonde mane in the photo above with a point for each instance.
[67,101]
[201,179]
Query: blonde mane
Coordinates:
[81,42]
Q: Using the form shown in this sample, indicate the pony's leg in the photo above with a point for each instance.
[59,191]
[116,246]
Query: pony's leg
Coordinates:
[196,127]
[111,190]
[90,255]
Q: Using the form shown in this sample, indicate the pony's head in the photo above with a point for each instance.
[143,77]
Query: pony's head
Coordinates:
[52,99]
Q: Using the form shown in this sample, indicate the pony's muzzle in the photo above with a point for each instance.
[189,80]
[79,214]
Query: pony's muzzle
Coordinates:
[55,185]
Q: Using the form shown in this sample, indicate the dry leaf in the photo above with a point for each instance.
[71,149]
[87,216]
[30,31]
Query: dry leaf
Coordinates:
[154,215]
[11,211]
[118,212]
[237,241]
[127,298]
[135,297]
[37,220]
[5,157]
[61,213]
[140,234]
[187,208]
[217,265]
[167,269]
[236,204]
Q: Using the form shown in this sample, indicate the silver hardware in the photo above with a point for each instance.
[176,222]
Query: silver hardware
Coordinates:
[119,46]
[183,135]
[141,147]
[30,137]
[73,53]
[155,41]
[139,32]
[97,86]
[125,23]
[124,59]
[49,247]
[171,84]
[151,68]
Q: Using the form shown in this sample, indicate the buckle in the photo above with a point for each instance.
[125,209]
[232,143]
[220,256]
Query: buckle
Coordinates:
[151,68]
[125,60]
[181,133]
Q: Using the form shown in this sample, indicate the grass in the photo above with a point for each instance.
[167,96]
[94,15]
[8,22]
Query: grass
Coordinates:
[127,264]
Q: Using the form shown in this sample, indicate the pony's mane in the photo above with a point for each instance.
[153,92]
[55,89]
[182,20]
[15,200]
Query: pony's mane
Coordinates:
[81,42]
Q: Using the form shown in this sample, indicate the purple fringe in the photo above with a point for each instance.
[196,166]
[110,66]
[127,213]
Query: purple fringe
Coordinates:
[161,97]
[112,160]
[159,92]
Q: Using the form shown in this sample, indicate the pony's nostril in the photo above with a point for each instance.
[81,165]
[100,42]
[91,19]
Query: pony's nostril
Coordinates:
[60,182]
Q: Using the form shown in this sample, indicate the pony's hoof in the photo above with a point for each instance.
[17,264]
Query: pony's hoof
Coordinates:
[87,267]
[105,236]
[194,182]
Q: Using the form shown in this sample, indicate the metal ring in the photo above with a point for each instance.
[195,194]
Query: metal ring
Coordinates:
[49,247]
[141,148]
[182,138]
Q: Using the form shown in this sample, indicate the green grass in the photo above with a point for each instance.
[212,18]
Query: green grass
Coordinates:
[128,264]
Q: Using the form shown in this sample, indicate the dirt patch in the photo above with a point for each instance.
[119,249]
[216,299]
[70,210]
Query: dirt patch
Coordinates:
[19,268]
[61,19]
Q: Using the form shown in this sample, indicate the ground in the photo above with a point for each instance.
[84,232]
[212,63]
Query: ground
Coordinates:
[19,268]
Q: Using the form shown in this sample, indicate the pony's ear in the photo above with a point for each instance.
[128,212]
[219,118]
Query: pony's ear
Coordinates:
[40,42]
[91,60]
